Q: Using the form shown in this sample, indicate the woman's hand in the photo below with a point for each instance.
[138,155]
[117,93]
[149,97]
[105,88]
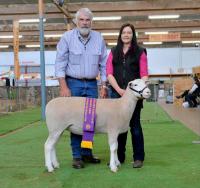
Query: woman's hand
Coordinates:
[121,91]
[103,92]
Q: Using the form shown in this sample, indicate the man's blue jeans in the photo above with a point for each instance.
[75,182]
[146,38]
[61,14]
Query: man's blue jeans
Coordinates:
[81,88]
[136,133]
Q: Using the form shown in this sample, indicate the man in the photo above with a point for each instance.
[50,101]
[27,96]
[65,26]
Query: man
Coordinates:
[81,56]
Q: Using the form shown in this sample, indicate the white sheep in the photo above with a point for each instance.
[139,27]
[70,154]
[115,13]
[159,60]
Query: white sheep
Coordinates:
[113,116]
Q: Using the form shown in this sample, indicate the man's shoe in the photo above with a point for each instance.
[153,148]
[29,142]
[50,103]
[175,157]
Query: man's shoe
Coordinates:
[137,164]
[91,159]
[77,163]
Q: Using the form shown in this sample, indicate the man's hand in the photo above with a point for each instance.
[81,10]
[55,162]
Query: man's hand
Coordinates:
[64,90]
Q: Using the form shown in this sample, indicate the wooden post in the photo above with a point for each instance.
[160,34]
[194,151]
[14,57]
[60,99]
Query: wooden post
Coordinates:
[42,58]
[16,48]
[65,12]
[68,27]
[67,23]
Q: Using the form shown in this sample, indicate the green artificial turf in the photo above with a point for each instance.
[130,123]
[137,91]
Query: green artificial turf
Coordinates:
[152,112]
[172,161]
[18,120]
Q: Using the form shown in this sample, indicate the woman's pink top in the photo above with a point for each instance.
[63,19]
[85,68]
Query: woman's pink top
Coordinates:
[143,65]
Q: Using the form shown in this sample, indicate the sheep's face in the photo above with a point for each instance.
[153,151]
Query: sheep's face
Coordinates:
[140,89]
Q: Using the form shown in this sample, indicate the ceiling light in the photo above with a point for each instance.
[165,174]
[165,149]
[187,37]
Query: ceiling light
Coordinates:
[4,46]
[8,36]
[197,31]
[151,43]
[32,46]
[107,18]
[112,43]
[114,34]
[156,33]
[30,20]
[163,16]
[110,34]
[191,42]
[53,35]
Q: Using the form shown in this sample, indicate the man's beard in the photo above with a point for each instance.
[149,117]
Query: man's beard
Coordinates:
[84,31]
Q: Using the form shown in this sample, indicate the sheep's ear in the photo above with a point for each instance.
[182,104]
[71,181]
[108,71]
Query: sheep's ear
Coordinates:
[147,82]
[130,85]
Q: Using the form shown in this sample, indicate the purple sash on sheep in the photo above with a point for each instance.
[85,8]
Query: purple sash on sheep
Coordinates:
[89,123]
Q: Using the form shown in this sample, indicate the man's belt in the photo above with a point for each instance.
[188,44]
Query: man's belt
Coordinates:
[89,123]
[82,79]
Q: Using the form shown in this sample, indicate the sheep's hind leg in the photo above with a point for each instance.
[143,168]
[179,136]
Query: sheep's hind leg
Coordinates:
[54,159]
[47,151]
[53,151]
[50,153]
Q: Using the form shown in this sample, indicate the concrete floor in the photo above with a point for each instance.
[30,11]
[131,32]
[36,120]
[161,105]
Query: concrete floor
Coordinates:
[190,117]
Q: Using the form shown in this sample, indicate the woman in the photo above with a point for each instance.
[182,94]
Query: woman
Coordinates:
[128,61]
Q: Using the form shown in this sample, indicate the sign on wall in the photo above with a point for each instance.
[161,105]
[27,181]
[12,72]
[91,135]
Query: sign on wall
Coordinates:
[171,37]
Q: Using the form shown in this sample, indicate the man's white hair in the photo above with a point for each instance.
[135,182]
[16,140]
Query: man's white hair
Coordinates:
[85,11]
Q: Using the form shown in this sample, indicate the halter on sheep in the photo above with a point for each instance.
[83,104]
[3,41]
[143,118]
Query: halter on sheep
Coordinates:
[68,113]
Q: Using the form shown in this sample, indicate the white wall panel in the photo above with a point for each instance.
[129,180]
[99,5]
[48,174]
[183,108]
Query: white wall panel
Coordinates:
[190,58]
[160,60]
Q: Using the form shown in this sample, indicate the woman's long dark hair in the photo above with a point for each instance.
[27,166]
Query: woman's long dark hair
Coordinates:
[119,48]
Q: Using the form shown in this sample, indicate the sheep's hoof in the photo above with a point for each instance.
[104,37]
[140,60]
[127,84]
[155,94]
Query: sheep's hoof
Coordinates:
[118,164]
[114,169]
[50,169]
[56,165]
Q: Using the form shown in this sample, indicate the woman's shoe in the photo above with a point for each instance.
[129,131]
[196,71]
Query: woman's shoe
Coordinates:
[90,159]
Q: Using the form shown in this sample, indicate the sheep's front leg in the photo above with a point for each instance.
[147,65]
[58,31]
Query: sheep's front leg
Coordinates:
[113,152]
[113,149]
[117,162]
